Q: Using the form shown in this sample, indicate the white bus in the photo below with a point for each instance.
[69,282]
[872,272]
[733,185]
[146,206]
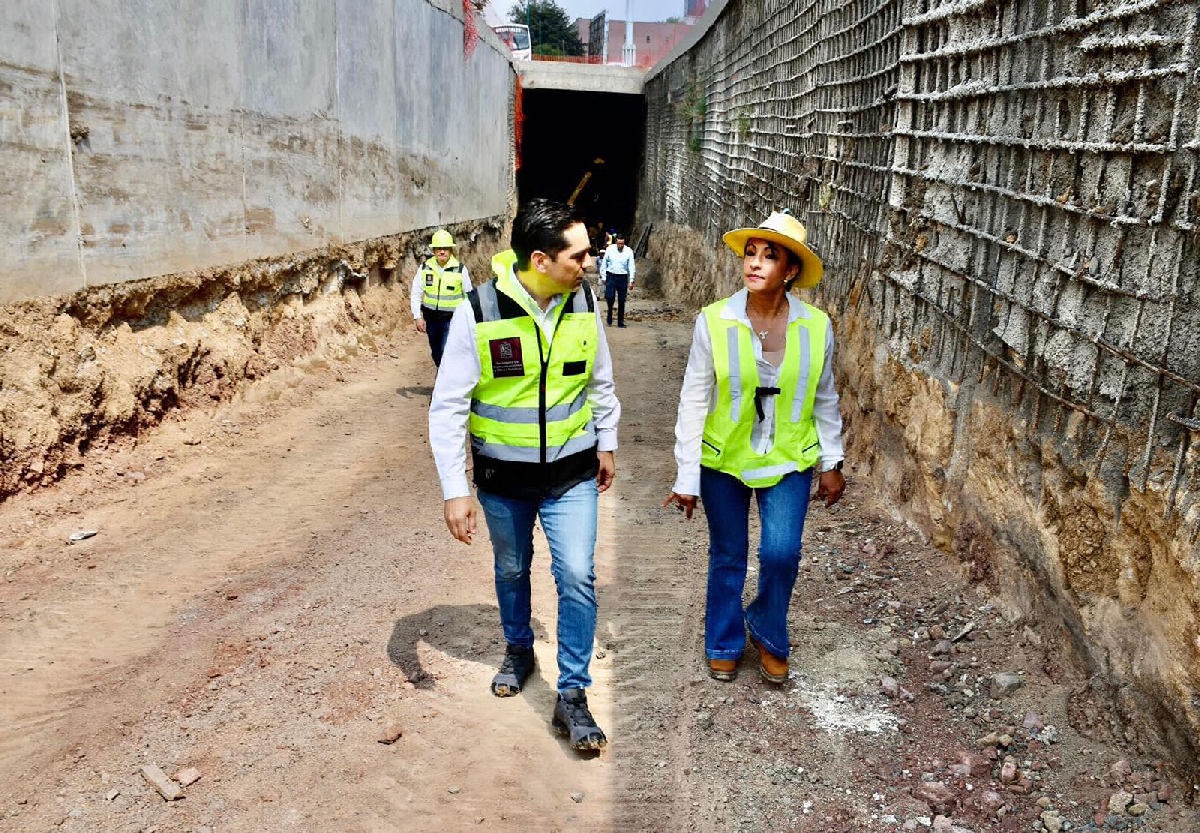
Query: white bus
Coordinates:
[516,36]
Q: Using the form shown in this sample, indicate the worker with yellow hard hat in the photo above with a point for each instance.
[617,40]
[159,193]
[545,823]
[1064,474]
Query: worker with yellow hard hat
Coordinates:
[438,288]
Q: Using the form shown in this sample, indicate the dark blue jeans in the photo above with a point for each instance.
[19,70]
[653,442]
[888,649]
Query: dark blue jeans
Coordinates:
[437,328]
[781,510]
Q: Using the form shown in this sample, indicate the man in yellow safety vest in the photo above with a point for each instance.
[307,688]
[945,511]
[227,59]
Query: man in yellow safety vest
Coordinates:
[438,288]
[527,373]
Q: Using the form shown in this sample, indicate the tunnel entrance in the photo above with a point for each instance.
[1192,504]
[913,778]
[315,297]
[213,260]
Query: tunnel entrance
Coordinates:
[584,147]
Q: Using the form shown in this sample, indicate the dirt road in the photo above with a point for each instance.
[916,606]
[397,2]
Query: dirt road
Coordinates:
[271,591]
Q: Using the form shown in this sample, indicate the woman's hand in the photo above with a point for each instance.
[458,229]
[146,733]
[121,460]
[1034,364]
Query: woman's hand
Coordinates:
[685,502]
[830,487]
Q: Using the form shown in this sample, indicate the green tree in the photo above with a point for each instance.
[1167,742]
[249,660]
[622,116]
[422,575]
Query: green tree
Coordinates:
[550,30]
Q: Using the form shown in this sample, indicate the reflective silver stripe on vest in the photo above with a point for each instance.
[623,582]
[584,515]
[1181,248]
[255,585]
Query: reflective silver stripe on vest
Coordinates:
[735,373]
[489,306]
[528,416]
[533,454]
[802,373]
[767,472]
[438,299]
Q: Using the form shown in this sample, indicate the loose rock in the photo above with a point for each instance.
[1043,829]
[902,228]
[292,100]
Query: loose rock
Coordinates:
[167,788]
[187,777]
[391,733]
[1118,801]
[939,797]
[1004,684]
[1052,821]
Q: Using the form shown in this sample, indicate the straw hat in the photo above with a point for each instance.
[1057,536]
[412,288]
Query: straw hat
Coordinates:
[787,231]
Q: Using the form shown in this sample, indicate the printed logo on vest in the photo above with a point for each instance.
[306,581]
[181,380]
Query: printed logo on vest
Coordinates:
[506,357]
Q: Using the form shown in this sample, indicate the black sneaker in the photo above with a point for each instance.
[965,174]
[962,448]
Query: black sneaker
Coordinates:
[514,671]
[573,720]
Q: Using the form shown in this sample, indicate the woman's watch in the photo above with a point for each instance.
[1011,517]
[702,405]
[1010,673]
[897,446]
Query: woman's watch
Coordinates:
[835,467]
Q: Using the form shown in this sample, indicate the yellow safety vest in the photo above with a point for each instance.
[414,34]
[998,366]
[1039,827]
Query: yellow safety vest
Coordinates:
[531,402]
[443,286]
[733,423]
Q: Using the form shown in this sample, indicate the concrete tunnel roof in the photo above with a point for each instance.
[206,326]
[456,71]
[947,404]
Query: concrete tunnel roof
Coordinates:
[591,78]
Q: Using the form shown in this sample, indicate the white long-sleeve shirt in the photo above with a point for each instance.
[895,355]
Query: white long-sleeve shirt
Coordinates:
[699,392]
[418,288]
[460,372]
[619,262]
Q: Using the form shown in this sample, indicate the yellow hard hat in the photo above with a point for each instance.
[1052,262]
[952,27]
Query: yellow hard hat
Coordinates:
[441,240]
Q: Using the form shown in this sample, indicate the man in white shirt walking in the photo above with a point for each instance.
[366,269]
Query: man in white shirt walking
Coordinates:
[528,374]
[616,273]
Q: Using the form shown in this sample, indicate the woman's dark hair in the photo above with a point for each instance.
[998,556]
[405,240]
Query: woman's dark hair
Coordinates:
[789,258]
[541,225]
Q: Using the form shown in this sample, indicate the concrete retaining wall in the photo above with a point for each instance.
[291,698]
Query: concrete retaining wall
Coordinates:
[1006,197]
[198,194]
[140,139]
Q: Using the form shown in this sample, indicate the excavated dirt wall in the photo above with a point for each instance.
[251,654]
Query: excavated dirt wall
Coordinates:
[100,366]
[1006,196]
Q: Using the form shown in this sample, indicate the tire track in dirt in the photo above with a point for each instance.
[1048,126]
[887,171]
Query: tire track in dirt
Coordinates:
[656,599]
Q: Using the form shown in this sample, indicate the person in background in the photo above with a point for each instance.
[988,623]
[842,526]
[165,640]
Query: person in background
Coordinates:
[617,273]
[528,375]
[758,416]
[437,289]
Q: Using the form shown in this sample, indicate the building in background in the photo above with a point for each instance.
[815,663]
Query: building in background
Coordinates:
[604,38]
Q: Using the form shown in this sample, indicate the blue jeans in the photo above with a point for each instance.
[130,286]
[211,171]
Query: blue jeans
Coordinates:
[781,509]
[570,526]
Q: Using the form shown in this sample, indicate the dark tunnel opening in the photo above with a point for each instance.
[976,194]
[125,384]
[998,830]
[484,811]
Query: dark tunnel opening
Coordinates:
[584,147]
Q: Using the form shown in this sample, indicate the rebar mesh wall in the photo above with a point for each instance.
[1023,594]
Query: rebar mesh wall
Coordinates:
[1046,199]
[1014,183]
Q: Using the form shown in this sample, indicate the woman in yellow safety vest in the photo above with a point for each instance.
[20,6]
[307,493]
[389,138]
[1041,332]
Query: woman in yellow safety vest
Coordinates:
[758,415]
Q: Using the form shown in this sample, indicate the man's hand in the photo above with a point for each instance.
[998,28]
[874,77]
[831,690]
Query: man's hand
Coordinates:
[608,470]
[460,518]
[687,503]
[420,325]
[830,487]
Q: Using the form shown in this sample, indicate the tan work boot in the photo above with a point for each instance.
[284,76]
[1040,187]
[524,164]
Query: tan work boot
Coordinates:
[724,670]
[772,668]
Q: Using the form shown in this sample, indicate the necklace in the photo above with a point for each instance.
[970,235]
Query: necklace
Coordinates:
[762,334]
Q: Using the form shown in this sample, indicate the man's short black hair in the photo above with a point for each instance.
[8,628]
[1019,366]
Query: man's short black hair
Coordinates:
[541,225]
